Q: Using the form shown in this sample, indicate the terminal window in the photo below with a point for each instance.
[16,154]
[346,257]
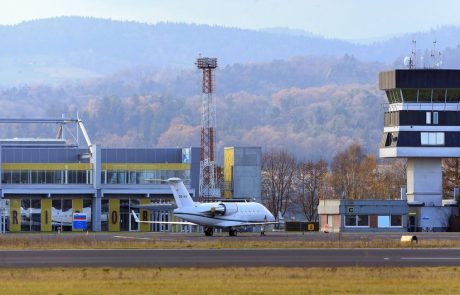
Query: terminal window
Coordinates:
[389,221]
[357,220]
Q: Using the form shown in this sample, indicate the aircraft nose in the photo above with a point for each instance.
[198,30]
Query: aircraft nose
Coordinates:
[271,218]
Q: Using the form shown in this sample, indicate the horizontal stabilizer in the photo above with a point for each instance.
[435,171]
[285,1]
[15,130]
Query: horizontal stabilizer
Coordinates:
[136,218]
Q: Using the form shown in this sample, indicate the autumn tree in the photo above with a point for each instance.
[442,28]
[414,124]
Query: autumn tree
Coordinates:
[310,181]
[392,176]
[345,172]
[278,167]
[450,176]
[355,175]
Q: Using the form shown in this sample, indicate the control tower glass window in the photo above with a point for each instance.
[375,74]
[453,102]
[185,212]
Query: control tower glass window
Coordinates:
[439,95]
[397,95]
[424,95]
[393,96]
[410,95]
[453,95]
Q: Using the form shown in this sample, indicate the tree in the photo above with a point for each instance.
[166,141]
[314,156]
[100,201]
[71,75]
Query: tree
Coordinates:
[451,176]
[310,182]
[277,175]
[392,176]
[355,175]
[345,172]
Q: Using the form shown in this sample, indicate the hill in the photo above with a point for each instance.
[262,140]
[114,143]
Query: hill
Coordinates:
[68,48]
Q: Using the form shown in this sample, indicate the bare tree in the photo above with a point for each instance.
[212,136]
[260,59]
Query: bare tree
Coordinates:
[310,182]
[277,174]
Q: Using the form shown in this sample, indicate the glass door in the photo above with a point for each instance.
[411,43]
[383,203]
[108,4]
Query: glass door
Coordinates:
[164,216]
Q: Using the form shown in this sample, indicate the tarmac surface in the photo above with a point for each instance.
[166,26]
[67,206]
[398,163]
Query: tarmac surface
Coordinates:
[248,236]
[406,257]
[230,258]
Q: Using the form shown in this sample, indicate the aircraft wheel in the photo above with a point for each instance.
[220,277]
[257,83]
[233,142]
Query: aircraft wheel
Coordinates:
[232,233]
[208,231]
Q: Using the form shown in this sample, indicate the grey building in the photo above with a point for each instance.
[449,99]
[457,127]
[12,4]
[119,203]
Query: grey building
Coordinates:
[363,215]
[242,172]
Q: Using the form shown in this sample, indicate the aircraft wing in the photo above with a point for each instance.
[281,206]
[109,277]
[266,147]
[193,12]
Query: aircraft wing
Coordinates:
[136,218]
[259,223]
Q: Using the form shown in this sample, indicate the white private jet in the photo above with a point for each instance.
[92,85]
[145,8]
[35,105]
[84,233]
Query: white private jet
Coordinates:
[231,215]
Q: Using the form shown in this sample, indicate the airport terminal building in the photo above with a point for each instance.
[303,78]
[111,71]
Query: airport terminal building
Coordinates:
[44,182]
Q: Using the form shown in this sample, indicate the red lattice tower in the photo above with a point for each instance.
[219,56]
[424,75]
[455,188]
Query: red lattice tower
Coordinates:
[208,179]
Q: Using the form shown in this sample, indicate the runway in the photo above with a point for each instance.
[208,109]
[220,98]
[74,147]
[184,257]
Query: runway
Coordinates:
[230,258]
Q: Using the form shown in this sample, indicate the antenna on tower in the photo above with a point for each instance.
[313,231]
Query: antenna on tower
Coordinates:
[436,56]
[410,61]
[413,64]
[433,55]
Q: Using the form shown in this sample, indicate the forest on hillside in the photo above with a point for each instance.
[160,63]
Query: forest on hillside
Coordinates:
[311,107]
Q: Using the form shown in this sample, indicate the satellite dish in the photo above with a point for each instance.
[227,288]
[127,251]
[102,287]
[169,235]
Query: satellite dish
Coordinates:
[407,61]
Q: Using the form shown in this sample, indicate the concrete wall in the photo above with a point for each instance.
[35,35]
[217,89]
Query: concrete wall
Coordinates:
[328,207]
[434,218]
[424,181]
[247,172]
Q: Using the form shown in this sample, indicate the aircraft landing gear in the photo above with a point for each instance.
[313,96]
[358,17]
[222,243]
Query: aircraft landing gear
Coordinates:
[208,231]
[232,233]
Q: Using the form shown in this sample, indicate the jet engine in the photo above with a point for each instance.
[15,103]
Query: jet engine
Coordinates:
[223,209]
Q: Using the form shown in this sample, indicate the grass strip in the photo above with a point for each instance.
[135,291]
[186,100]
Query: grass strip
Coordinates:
[264,280]
[93,242]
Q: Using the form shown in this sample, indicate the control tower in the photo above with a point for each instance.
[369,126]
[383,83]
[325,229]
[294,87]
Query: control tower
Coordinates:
[422,124]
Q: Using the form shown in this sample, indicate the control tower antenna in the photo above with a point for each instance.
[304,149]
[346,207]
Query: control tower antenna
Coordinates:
[436,56]
[208,177]
[413,64]
[433,55]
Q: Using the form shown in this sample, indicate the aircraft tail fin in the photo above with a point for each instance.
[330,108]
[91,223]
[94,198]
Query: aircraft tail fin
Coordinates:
[181,195]
[136,218]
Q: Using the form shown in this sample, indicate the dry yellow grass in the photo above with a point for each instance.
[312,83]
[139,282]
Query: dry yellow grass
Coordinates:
[445,280]
[93,242]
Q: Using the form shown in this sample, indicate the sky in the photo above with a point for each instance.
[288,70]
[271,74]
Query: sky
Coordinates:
[344,19]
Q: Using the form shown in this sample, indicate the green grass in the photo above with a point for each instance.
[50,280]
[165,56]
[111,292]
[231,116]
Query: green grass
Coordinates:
[265,280]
